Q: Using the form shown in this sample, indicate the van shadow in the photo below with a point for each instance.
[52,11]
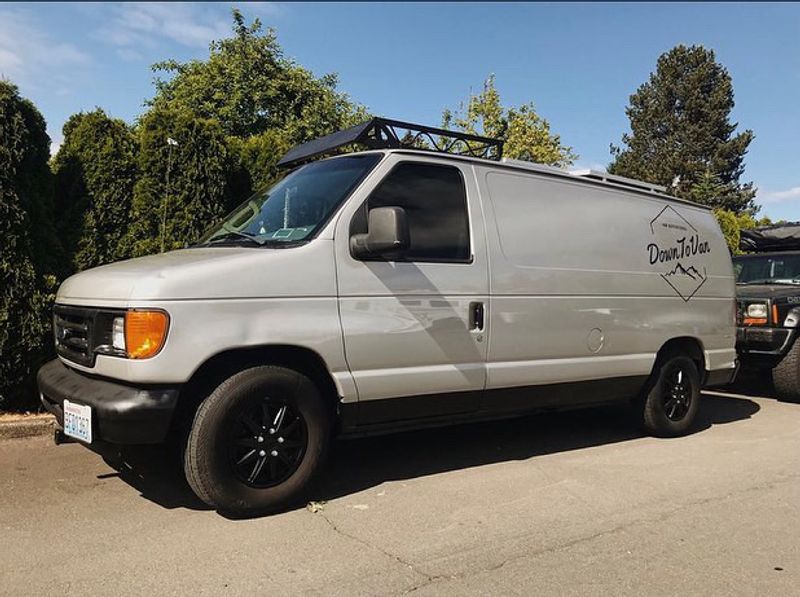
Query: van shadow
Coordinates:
[359,464]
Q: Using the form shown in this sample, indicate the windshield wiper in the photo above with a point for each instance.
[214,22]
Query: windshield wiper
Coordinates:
[232,235]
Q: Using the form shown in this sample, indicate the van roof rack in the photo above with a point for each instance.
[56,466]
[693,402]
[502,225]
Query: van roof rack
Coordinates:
[620,180]
[382,133]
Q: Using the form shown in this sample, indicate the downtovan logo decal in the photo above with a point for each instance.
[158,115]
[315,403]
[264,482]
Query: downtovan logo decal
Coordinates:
[678,251]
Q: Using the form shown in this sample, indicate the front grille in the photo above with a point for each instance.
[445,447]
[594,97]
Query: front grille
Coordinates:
[73,328]
[81,331]
[740,307]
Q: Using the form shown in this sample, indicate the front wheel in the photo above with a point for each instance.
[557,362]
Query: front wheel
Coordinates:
[786,376]
[257,441]
[670,403]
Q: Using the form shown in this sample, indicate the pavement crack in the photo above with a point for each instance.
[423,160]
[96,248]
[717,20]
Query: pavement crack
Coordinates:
[427,577]
[603,533]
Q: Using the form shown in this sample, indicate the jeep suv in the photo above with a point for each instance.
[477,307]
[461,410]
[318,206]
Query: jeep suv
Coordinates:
[768,293]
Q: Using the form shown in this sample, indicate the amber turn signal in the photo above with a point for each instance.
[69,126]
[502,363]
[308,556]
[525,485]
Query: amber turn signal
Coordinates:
[145,333]
[755,320]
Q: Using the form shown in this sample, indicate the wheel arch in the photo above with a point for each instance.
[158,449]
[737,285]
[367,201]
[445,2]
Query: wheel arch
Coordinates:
[222,365]
[683,346]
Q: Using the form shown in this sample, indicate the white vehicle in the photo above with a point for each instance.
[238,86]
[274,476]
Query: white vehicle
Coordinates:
[389,289]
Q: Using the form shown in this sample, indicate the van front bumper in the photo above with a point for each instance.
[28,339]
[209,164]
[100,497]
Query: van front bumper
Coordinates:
[121,414]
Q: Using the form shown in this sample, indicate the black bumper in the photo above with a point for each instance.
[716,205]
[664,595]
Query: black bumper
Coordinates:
[121,414]
[764,346]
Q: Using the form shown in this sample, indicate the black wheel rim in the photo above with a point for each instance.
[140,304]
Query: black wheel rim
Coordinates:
[267,442]
[677,392]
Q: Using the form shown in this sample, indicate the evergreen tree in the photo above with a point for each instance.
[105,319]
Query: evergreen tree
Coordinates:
[95,171]
[681,134]
[25,211]
[183,185]
[526,135]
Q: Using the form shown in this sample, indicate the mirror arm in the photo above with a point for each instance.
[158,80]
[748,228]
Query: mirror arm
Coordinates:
[358,245]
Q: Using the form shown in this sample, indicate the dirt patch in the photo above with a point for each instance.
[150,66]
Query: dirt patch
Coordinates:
[13,425]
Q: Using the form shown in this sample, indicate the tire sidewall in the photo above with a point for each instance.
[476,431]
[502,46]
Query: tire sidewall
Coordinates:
[211,436]
[655,416]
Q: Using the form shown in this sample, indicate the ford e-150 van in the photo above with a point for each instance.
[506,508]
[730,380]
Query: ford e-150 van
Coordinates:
[388,289]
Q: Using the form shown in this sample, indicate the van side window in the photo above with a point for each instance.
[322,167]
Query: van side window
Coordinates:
[435,201]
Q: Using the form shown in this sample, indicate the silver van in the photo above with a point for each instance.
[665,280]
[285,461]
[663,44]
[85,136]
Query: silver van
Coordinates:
[389,289]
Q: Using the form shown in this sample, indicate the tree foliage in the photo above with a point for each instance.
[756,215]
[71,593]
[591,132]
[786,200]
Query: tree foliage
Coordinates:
[732,225]
[681,133]
[182,187]
[233,116]
[251,88]
[95,172]
[526,135]
[25,219]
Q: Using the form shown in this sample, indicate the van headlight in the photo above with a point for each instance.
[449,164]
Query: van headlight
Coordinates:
[118,334]
[135,334]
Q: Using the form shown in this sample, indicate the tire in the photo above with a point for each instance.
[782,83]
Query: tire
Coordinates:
[786,376]
[671,398]
[240,425]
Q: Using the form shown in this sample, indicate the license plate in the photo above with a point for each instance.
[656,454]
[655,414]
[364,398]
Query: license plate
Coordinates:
[78,421]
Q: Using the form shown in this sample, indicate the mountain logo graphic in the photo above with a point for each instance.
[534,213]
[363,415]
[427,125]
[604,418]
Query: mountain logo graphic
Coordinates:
[679,270]
[678,249]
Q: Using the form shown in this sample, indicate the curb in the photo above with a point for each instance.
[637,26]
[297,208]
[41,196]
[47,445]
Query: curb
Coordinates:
[27,427]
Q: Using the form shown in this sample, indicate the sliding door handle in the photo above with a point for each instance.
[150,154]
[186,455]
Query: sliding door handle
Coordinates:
[476,316]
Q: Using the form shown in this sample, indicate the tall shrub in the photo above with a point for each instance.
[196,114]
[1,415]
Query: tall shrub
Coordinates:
[95,172]
[184,169]
[30,251]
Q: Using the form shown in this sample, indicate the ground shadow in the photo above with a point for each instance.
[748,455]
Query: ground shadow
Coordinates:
[754,382]
[358,464]
[156,472]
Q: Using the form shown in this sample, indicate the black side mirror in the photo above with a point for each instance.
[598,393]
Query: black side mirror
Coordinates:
[387,234]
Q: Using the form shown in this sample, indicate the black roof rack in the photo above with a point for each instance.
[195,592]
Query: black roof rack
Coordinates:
[776,237]
[381,133]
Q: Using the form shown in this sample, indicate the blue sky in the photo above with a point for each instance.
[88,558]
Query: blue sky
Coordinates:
[577,62]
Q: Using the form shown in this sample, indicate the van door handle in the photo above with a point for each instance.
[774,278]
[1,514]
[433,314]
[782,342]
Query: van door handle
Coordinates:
[476,316]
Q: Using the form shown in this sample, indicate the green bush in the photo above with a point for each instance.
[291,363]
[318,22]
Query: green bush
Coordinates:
[95,172]
[30,248]
[184,167]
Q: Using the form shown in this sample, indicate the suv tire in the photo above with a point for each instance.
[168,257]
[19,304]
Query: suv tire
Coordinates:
[258,441]
[786,376]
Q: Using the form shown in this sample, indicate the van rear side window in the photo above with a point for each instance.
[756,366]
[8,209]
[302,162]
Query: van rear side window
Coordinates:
[436,206]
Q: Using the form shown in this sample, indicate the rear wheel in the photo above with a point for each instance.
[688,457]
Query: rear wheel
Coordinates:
[786,376]
[670,403]
[257,441]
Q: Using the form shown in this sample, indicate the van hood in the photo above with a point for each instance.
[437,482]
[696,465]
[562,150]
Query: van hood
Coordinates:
[200,273]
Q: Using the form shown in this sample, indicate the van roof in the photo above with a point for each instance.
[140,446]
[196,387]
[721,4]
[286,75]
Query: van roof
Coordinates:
[591,177]
[398,136]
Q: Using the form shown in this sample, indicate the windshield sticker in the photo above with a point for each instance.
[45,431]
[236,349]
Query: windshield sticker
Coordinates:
[678,251]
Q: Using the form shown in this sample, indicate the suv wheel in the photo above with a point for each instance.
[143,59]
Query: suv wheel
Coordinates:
[786,376]
[257,441]
[670,402]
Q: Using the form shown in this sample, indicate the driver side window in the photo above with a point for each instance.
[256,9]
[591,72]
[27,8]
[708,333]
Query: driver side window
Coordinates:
[435,201]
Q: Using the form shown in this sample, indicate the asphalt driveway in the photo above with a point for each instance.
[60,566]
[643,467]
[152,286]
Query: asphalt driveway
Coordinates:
[570,504]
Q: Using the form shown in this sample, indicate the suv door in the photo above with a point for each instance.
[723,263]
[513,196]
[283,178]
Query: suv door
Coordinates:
[414,337]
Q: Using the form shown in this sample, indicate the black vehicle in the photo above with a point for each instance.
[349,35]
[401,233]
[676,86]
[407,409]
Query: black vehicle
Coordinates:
[768,315]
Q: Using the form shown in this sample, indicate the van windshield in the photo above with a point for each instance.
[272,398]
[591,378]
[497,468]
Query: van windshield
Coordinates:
[768,269]
[295,208]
